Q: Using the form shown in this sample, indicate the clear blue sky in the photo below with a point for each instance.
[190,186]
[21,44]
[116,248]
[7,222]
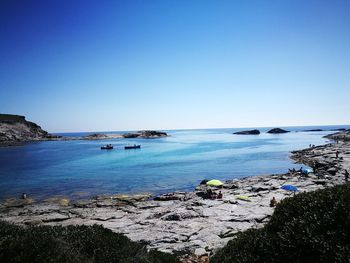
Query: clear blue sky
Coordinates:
[74,65]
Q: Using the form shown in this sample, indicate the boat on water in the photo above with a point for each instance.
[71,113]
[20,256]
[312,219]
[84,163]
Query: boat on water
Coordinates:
[107,147]
[132,147]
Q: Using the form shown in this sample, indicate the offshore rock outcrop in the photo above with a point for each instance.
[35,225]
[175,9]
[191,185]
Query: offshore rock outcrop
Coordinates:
[313,130]
[277,130]
[249,132]
[15,128]
[146,134]
[101,136]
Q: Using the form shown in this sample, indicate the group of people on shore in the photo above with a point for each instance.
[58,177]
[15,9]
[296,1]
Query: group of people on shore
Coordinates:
[301,171]
[210,194]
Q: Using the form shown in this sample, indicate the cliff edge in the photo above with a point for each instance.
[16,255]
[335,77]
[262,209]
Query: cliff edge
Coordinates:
[15,128]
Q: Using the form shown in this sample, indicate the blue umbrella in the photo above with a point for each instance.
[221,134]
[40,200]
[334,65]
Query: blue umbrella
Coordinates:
[306,171]
[289,187]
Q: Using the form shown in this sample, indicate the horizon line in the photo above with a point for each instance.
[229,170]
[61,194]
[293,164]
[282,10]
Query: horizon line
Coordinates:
[212,128]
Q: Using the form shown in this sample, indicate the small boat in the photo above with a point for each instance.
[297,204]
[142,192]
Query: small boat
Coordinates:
[132,147]
[107,147]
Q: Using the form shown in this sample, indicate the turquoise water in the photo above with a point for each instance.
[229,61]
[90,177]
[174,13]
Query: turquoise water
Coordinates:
[79,169]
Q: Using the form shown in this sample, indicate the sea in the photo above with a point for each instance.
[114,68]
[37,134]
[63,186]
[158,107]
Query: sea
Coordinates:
[79,169]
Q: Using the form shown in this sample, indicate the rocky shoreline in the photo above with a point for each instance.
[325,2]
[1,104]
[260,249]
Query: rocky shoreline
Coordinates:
[185,223]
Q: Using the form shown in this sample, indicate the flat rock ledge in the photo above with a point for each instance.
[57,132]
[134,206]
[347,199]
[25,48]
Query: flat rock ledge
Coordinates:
[185,222]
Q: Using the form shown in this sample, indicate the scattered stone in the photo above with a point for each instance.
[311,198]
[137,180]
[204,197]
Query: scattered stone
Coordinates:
[332,170]
[166,197]
[200,252]
[172,217]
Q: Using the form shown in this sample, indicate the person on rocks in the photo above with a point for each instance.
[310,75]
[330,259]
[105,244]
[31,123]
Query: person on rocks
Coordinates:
[219,195]
[24,196]
[273,202]
[315,166]
[346,173]
[337,154]
[210,194]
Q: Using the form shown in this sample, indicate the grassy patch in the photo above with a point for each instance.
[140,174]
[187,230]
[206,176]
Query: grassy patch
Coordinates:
[310,227]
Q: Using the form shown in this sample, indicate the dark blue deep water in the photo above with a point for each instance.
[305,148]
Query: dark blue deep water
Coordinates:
[79,169]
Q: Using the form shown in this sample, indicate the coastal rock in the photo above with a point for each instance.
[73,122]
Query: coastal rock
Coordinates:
[277,130]
[100,136]
[15,128]
[249,132]
[172,217]
[166,197]
[95,136]
[62,201]
[200,252]
[17,202]
[340,129]
[145,134]
[332,170]
[183,196]
[339,136]
[259,187]
[313,130]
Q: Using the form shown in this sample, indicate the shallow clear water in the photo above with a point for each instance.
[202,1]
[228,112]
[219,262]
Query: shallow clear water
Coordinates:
[80,169]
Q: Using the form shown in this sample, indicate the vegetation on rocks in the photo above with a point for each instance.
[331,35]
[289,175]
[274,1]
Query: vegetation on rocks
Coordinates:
[71,244]
[310,227]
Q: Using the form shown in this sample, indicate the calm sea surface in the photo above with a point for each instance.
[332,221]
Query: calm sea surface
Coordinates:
[79,169]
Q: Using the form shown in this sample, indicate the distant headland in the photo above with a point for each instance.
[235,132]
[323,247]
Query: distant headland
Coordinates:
[15,129]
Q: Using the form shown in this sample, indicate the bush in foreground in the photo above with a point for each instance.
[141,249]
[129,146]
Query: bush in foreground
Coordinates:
[72,244]
[310,227]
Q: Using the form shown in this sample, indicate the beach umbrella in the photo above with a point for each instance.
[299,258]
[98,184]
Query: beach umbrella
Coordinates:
[289,187]
[306,171]
[215,183]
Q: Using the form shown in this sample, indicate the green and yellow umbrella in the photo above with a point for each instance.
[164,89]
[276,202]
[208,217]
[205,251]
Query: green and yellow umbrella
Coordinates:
[215,183]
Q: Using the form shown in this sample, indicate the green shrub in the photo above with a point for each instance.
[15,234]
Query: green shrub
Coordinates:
[310,227]
[72,244]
